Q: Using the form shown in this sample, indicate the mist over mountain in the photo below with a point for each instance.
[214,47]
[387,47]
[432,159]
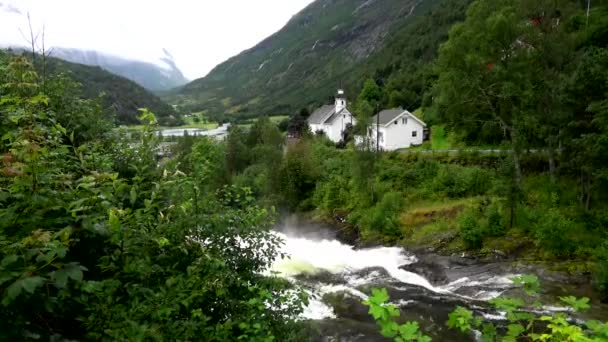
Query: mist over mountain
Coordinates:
[160,76]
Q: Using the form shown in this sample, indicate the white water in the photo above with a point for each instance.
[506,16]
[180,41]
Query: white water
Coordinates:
[308,256]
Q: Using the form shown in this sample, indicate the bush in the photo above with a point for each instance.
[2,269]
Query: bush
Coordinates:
[552,233]
[601,271]
[457,181]
[470,230]
[495,225]
[383,217]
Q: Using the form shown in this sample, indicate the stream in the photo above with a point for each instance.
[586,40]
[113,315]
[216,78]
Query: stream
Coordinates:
[338,277]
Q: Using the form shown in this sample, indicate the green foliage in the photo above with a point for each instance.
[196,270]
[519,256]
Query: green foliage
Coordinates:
[470,230]
[98,243]
[117,93]
[523,325]
[297,175]
[553,233]
[385,314]
[601,271]
[383,216]
[495,224]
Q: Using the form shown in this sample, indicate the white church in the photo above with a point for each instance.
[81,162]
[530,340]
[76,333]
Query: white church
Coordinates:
[332,120]
[389,130]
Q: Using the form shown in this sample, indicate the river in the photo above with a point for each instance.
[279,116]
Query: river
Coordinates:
[338,277]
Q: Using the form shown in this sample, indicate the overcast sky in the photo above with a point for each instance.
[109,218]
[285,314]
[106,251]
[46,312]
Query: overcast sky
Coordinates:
[199,33]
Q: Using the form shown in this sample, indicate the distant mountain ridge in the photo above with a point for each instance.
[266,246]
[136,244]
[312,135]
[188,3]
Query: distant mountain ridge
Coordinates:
[319,49]
[149,75]
[124,96]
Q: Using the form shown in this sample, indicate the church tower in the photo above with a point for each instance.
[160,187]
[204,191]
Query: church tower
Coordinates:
[340,100]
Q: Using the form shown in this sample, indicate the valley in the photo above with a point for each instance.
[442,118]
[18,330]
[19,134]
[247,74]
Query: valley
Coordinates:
[375,170]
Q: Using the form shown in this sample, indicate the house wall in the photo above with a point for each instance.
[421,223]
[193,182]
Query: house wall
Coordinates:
[400,135]
[373,134]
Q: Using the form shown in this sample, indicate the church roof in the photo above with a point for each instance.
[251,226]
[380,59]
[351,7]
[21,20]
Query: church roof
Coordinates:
[321,115]
[336,115]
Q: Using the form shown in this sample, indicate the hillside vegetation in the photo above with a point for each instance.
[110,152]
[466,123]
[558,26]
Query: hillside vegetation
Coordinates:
[302,64]
[123,96]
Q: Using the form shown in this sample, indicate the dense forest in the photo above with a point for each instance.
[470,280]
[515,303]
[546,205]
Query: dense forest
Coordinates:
[101,240]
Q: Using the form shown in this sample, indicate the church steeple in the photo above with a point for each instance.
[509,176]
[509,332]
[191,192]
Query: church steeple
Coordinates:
[340,100]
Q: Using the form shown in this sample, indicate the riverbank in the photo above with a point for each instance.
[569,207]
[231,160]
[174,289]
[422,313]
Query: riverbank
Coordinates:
[442,258]
[425,285]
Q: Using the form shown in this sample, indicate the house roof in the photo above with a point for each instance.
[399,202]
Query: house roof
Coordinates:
[389,115]
[386,116]
[321,115]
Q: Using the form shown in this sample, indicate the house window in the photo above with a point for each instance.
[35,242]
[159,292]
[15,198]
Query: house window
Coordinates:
[381,137]
[414,134]
[404,121]
[395,122]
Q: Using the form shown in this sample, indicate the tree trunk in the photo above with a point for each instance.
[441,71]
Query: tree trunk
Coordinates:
[552,167]
[516,158]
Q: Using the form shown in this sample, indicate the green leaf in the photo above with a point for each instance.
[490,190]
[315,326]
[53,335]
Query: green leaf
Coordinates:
[507,304]
[12,292]
[581,304]
[379,296]
[460,319]
[74,271]
[8,260]
[530,283]
[409,331]
[514,330]
[133,195]
[61,278]
[31,283]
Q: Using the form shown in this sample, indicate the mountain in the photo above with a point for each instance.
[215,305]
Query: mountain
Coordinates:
[120,93]
[155,77]
[328,44]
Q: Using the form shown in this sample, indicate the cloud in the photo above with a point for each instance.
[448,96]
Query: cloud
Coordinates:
[10,9]
[198,34]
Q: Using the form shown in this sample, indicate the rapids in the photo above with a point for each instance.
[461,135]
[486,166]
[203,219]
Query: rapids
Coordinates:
[338,278]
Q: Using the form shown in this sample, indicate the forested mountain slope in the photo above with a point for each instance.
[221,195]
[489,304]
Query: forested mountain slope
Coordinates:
[121,94]
[320,48]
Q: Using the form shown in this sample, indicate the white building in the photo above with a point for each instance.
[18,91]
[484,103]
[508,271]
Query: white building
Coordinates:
[395,129]
[332,119]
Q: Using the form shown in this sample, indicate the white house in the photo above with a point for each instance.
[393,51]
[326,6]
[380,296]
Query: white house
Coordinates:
[332,119]
[395,129]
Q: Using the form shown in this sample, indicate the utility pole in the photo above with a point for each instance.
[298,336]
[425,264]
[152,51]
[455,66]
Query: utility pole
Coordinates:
[377,130]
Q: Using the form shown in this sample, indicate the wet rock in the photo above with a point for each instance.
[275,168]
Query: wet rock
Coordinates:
[323,277]
[377,273]
[339,330]
[433,272]
[345,305]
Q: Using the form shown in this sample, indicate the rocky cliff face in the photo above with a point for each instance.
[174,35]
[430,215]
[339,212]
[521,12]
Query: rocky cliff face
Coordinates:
[164,76]
[304,62]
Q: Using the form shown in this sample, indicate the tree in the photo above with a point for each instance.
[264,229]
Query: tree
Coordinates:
[483,73]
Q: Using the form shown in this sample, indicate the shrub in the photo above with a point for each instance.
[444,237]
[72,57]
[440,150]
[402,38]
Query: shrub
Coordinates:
[552,233]
[495,225]
[457,181]
[601,272]
[470,230]
[383,217]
